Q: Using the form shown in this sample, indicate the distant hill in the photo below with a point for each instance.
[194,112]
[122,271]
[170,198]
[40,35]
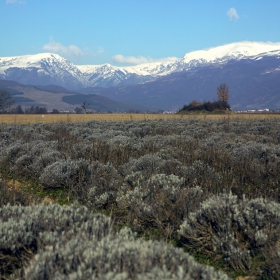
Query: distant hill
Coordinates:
[101,103]
[53,89]
[57,97]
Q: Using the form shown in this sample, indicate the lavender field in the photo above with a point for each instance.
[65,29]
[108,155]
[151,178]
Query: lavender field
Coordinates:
[153,199]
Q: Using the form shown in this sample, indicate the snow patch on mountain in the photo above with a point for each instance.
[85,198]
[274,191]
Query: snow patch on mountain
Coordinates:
[27,61]
[219,54]
[41,69]
[49,68]
[231,51]
[47,63]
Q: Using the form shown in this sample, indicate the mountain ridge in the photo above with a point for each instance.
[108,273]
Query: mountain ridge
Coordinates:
[251,70]
[48,68]
[253,83]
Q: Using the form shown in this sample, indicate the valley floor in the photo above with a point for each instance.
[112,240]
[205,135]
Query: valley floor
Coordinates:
[67,118]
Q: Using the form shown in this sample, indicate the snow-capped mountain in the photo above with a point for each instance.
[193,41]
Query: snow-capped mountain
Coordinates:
[107,75]
[254,83]
[99,75]
[216,55]
[41,69]
[231,51]
[46,68]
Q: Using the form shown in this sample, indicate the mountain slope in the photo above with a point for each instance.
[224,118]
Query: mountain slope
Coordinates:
[254,83]
[41,69]
[108,76]
[227,52]
[56,97]
[101,103]
[45,69]
[216,55]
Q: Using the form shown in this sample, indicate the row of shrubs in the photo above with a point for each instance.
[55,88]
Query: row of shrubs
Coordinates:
[242,155]
[43,241]
[69,242]
[212,185]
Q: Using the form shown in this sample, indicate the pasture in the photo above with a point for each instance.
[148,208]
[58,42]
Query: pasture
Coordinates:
[66,118]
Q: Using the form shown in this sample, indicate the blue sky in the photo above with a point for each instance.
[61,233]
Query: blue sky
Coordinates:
[127,32]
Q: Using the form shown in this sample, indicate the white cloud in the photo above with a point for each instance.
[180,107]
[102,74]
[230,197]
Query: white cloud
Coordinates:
[130,59]
[14,2]
[232,14]
[101,50]
[71,51]
[135,60]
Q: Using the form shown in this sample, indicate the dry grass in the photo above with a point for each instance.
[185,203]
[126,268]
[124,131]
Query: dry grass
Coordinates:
[52,118]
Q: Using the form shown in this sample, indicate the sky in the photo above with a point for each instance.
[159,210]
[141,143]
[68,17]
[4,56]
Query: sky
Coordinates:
[131,32]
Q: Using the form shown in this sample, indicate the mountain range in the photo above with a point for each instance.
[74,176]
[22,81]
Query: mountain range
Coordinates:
[251,70]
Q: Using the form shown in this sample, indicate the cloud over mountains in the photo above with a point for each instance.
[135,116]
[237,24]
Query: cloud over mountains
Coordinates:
[232,14]
[71,51]
[135,60]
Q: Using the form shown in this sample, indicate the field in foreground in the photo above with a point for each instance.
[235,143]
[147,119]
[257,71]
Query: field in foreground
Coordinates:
[66,118]
[204,187]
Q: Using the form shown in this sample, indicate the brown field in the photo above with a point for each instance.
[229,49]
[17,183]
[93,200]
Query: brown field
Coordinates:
[52,118]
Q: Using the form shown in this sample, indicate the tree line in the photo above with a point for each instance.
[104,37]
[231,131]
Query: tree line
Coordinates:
[27,110]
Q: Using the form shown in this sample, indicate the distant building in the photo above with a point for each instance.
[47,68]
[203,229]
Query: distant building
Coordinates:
[252,110]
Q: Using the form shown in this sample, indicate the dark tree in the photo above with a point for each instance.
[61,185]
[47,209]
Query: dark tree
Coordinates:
[78,110]
[17,110]
[55,111]
[223,92]
[5,100]
[85,105]
[36,110]
[194,103]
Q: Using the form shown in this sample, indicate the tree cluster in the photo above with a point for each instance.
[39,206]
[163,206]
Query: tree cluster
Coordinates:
[206,106]
[220,105]
[28,110]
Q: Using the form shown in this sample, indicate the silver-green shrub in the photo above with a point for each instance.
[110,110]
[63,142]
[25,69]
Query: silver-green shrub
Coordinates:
[119,256]
[147,164]
[25,231]
[105,184]
[70,242]
[232,229]
[66,174]
[161,200]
